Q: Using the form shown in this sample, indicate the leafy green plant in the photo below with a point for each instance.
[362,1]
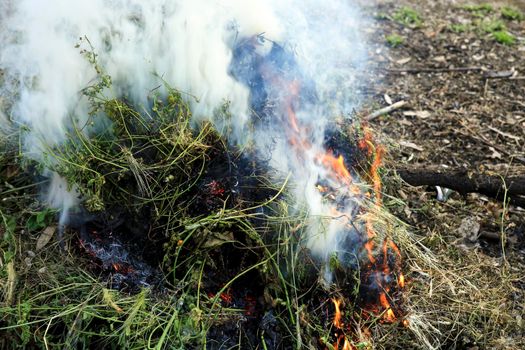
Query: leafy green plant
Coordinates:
[395,40]
[409,17]
[512,13]
[41,219]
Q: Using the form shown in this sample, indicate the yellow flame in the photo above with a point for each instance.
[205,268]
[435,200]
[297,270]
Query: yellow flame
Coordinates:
[337,316]
[401,281]
[347,345]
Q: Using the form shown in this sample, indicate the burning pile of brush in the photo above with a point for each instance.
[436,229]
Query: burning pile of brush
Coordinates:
[240,185]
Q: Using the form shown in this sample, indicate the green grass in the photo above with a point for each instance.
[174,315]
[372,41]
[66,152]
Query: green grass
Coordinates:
[479,10]
[497,30]
[504,37]
[512,13]
[409,17]
[459,28]
[394,40]
[51,300]
[492,25]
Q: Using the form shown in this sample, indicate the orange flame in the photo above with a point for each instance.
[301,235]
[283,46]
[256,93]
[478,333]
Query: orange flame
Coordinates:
[389,313]
[347,345]
[121,268]
[338,172]
[337,316]
[337,165]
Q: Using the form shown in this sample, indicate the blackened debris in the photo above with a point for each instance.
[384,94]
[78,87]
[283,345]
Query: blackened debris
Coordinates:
[118,260]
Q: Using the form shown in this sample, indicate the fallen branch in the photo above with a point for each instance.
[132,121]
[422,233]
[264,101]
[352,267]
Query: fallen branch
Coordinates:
[386,110]
[466,181]
[435,70]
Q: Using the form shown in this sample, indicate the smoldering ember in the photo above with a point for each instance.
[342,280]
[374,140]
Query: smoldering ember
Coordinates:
[262,175]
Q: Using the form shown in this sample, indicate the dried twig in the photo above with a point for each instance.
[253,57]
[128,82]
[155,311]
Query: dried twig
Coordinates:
[386,110]
[435,70]
[505,74]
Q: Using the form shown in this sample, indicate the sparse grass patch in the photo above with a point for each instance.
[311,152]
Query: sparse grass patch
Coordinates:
[497,30]
[492,25]
[459,28]
[409,17]
[512,13]
[395,40]
[479,10]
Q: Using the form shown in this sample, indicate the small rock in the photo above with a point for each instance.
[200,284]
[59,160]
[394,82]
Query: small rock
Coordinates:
[469,229]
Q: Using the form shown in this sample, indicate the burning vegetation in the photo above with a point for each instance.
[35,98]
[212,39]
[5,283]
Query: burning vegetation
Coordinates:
[173,212]
[177,229]
[208,243]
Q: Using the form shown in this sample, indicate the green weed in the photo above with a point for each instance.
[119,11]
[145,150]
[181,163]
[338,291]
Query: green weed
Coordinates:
[382,16]
[395,40]
[492,25]
[459,28]
[512,13]
[479,10]
[147,162]
[504,37]
[408,17]
[41,219]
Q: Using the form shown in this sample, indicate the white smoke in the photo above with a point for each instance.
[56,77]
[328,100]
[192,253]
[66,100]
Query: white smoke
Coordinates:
[190,45]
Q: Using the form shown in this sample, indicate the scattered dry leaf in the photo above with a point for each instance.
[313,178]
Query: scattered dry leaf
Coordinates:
[411,145]
[218,239]
[388,100]
[404,60]
[495,154]
[418,114]
[45,237]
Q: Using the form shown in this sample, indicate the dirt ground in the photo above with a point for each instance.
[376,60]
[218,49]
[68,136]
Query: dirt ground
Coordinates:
[472,119]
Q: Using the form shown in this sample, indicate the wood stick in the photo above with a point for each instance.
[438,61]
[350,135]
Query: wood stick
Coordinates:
[435,70]
[506,74]
[465,181]
[386,110]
